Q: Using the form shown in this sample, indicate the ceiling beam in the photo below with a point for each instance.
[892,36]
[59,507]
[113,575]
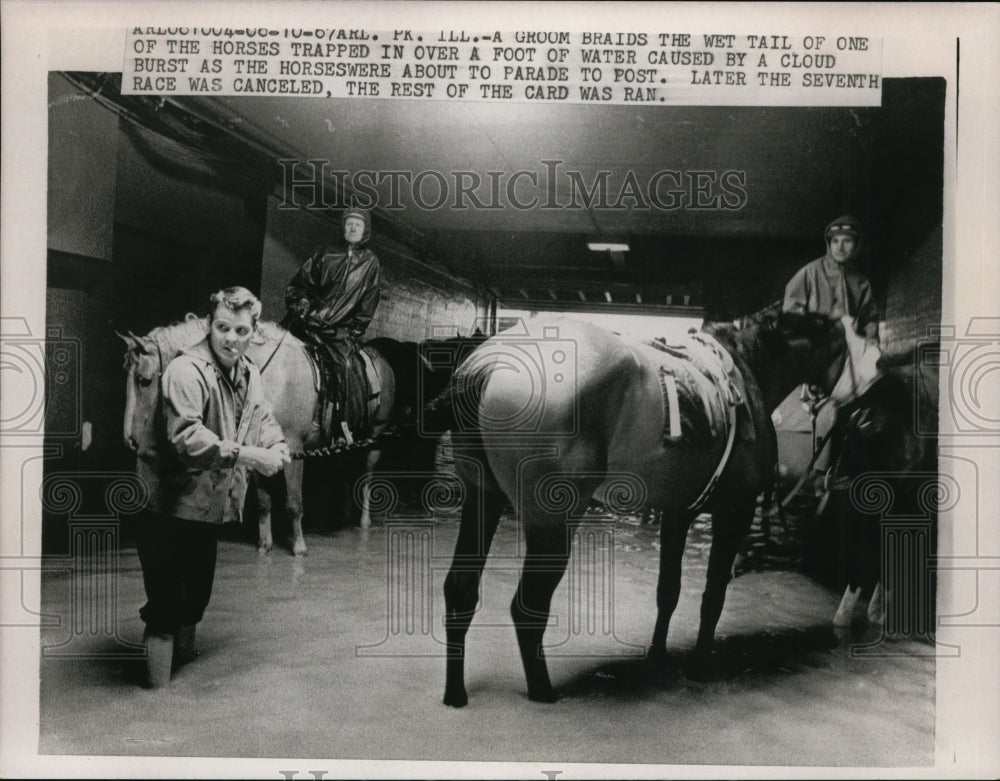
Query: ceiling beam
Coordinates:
[618,308]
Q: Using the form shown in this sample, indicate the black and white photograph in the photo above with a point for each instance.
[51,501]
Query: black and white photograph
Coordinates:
[523,390]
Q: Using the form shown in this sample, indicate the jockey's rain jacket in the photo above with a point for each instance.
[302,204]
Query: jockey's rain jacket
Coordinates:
[833,289]
[343,291]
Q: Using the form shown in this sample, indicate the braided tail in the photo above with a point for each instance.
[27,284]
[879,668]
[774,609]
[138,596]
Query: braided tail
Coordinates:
[456,408]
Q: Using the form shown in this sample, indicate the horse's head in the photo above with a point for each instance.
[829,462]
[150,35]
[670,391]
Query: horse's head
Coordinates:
[814,348]
[143,366]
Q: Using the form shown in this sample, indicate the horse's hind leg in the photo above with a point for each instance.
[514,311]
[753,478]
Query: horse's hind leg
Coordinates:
[673,535]
[461,586]
[546,555]
[371,461]
[293,503]
[265,540]
[729,526]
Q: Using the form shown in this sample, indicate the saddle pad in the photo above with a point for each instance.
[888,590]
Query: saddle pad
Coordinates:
[703,391]
[688,415]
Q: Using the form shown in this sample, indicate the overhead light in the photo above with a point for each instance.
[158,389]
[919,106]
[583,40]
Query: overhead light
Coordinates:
[606,246]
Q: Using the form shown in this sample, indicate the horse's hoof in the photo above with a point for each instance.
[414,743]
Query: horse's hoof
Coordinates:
[299,549]
[546,695]
[263,549]
[656,655]
[459,700]
[701,668]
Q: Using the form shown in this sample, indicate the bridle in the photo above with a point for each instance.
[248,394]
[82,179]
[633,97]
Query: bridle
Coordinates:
[274,351]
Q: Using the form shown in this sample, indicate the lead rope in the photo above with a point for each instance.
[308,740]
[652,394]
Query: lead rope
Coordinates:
[396,432]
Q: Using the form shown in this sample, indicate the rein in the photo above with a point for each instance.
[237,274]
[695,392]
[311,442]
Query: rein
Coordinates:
[857,389]
[808,470]
[274,351]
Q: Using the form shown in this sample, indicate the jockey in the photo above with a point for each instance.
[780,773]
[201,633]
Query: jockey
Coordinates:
[331,301]
[832,285]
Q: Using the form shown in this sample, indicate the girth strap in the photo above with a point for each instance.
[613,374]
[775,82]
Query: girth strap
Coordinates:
[705,356]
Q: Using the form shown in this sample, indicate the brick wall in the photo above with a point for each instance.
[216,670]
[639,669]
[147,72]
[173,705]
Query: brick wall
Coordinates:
[913,310]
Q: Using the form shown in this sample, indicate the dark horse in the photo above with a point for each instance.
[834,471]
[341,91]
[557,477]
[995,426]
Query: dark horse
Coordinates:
[554,415]
[882,465]
[289,380]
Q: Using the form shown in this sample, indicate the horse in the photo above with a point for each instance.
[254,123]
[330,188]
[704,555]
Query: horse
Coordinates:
[553,415]
[289,381]
[877,451]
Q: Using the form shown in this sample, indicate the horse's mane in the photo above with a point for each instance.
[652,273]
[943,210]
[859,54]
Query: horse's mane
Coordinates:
[748,335]
[765,333]
[172,338]
[272,332]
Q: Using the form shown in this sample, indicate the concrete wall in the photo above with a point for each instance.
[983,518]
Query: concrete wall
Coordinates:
[83,156]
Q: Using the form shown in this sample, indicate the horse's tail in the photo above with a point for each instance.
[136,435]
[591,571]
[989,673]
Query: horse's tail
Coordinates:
[456,408]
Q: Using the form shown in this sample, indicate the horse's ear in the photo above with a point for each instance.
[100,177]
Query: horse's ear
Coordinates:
[140,343]
[191,316]
[129,340]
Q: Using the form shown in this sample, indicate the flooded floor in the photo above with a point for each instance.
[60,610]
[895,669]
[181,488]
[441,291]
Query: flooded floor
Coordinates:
[339,655]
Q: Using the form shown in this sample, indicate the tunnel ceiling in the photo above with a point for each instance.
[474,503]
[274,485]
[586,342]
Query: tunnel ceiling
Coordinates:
[718,205]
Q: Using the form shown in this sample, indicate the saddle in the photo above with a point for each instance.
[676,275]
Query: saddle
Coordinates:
[704,393]
[362,392]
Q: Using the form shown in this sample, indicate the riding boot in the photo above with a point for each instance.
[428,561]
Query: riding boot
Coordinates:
[184,648]
[159,658]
